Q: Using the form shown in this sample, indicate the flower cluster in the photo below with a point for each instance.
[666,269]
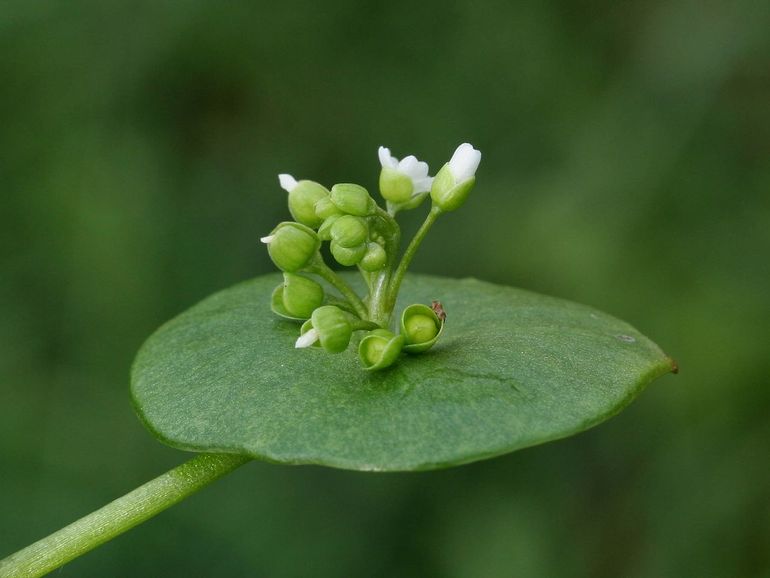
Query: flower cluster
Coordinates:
[363,234]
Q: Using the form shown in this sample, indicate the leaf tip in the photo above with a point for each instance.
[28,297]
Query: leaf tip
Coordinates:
[674,364]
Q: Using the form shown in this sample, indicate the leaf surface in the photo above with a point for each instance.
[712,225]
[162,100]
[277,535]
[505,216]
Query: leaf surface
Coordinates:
[512,369]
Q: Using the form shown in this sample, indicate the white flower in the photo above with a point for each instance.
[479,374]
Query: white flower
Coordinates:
[464,162]
[417,171]
[455,180]
[287,182]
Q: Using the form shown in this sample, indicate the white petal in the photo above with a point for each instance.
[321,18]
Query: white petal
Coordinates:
[464,162]
[420,171]
[413,168]
[287,182]
[267,240]
[407,165]
[387,161]
[307,339]
[422,185]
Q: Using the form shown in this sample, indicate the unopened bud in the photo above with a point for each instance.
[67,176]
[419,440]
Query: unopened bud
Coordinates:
[349,231]
[352,199]
[375,257]
[347,256]
[292,246]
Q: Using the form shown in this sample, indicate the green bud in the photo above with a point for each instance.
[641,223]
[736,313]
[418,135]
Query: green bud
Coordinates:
[374,259]
[349,231]
[277,306]
[347,256]
[296,297]
[301,296]
[395,186]
[302,201]
[447,194]
[379,349]
[292,246]
[352,199]
[421,328]
[324,208]
[325,230]
[331,328]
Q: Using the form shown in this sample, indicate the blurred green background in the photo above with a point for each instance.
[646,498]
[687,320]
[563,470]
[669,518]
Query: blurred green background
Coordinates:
[626,165]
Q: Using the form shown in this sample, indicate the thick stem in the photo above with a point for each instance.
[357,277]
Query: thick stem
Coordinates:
[116,517]
[378,306]
[398,276]
[380,310]
[322,270]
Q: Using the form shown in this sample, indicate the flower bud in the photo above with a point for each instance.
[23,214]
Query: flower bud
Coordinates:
[421,328]
[352,199]
[455,180]
[296,297]
[303,196]
[349,231]
[401,180]
[324,208]
[325,230]
[379,349]
[292,246]
[328,326]
[301,296]
[374,259]
[347,256]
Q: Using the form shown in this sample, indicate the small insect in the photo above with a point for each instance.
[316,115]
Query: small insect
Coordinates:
[438,309]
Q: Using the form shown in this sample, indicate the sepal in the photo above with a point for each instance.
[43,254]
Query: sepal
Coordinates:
[379,349]
[395,186]
[324,208]
[297,297]
[447,193]
[302,202]
[331,327]
[421,328]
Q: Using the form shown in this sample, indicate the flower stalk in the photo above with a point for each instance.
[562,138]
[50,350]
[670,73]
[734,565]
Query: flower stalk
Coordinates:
[119,516]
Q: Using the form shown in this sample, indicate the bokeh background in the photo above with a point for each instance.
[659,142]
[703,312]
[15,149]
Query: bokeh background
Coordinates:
[626,165]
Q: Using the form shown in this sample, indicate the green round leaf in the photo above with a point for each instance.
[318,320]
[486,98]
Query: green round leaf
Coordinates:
[512,369]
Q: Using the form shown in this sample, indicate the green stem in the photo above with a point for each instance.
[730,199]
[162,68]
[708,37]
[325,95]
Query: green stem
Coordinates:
[380,309]
[398,276]
[322,270]
[389,219]
[343,304]
[116,517]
